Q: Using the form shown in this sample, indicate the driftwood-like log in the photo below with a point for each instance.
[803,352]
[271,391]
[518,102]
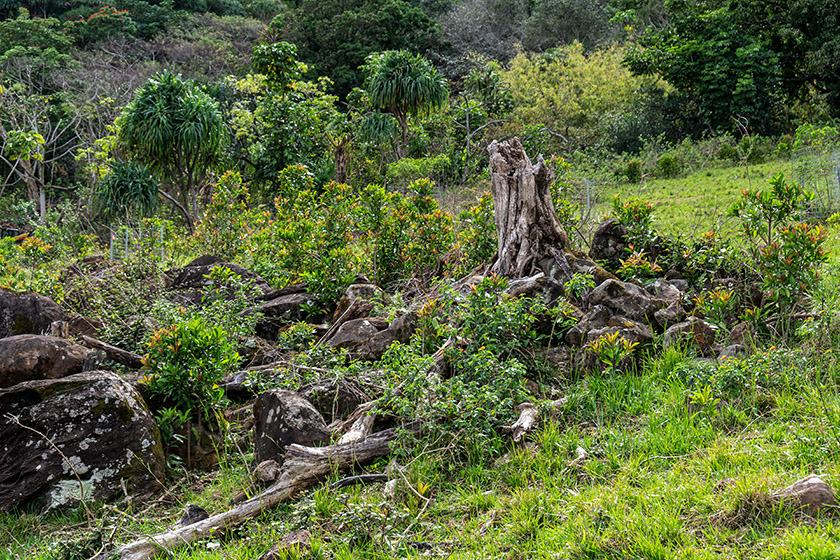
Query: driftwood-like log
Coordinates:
[124,357]
[302,467]
[527,228]
[359,430]
[528,415]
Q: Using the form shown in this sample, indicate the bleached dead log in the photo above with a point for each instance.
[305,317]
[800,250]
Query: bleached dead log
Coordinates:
[528,415]
[302,467]
[360,429]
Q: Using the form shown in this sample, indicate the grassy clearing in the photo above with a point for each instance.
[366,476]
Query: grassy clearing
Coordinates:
[691,205]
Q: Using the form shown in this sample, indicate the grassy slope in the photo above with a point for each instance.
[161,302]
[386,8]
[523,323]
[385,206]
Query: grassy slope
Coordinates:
[694,204]
[664,478]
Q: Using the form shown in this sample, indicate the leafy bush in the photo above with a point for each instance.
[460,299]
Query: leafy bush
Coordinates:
[186,363]
[668,166]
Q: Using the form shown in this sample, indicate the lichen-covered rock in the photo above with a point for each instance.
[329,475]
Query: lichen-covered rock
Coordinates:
[283,418]
[28,357]
[27,313]
[105,433]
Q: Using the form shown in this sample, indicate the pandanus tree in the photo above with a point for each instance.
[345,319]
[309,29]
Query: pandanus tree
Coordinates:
[404,84]
[178,131]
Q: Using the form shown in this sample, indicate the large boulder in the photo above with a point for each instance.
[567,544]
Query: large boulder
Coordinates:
[283,418]
[285,306]
[27,313]
[90,431]
[628,300]
[28,357]
[336,398]
[191,280]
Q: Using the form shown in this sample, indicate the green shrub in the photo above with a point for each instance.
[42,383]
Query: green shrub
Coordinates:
[186,362]
[633,171]
[668,166]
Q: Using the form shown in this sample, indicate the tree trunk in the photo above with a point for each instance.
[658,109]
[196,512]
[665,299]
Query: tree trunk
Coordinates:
[528,231]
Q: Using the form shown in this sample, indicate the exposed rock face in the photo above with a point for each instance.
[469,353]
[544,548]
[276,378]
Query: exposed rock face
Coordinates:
[628,300]
[285,306]
[609,242]
[28,357]
[27,313]
[193,277]
[810,494]
[102,427]
[283,418]
[694,330]
[665,290]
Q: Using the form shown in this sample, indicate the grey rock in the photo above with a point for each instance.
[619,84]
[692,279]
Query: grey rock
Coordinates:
[694,330]
[628,300]
[193,277]
[283,418]
[29,357]
[671,315]
[282,310]
[105,432]
[733,351]
[27,313]
[192,514]
[596,318]
[609,241]
[665,290]
[362,295]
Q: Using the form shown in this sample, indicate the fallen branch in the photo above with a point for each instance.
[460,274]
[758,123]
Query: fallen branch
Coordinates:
[124,357]
[302,467]
[363,479]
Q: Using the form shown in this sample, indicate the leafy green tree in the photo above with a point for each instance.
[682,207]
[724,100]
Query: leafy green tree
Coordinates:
[561,22]
[178,131]
[804,36]
[719,69]
[130,188]
[335,36]
[404,84]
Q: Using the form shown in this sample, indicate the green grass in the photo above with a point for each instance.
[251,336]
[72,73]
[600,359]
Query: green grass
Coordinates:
[688,206]
[661,481]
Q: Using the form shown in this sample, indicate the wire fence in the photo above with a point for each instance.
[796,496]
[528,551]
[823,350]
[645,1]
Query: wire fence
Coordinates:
[818,170]
[136,241]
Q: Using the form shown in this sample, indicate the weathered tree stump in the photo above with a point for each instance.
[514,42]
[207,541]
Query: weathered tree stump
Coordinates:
[528,231]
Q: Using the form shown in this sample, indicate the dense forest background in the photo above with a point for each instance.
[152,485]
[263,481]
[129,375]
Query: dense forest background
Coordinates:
[267,84]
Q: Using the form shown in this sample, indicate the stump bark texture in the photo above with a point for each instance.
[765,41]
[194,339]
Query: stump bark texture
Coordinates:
[528,230]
